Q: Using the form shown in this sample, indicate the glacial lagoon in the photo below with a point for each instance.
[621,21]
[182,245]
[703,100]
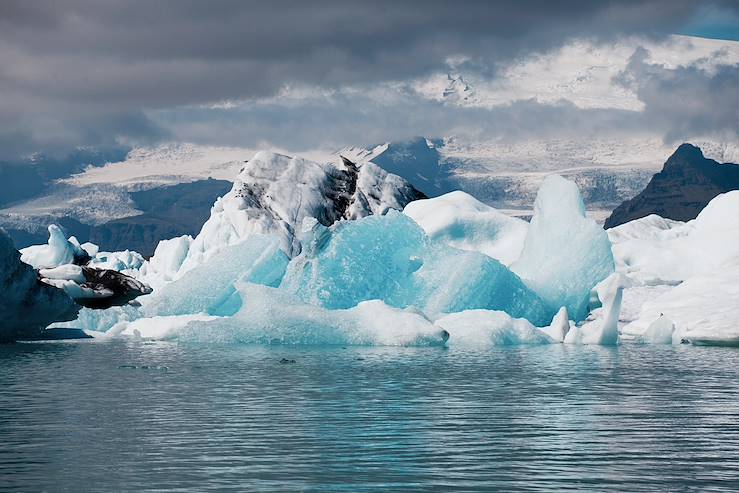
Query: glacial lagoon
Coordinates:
[123,415]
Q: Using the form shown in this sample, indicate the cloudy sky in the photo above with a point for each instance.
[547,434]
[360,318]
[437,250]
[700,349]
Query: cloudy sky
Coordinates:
[301,75]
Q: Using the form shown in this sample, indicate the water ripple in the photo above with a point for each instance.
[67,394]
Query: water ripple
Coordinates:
[135,417]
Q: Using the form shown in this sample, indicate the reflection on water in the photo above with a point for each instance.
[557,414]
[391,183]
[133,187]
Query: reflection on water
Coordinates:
[117,416]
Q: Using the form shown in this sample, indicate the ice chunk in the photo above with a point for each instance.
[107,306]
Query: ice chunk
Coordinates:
[68,272]
[604,329]
[660,331]
[211,287]
[559,327]
[90,248]
[451,280]
[58,251]
[463,222]
[272,316]
[358,260]
[273,194]
[27,305]
[164,265]
[684,272]
[126,261]
[158,327]
[485,328]
[390,258]
[565,253]
[100,321]
[703,308]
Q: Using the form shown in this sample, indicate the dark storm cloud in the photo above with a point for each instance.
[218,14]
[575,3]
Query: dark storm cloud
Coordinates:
[70,70]
[358,119]
[686,101]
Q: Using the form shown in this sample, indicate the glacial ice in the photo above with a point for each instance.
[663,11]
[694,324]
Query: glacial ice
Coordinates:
[461,221]
[165,264]
[565,253]
[58,251]
[272,316]
[265,269]
[273,194]
[603,330]
[211,288]
[127,261]
[687,273]
[391,259]
[485,328]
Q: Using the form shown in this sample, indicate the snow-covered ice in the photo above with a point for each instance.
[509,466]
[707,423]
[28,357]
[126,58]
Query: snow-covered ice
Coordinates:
[274,193]
[683,276]
[461,221]
[565,253]
[58,251]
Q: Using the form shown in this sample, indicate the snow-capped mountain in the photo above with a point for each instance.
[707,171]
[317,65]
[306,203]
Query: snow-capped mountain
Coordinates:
[104,202]
[581,72]
[507,175]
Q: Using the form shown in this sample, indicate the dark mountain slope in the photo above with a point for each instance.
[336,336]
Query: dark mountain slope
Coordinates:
[687,182]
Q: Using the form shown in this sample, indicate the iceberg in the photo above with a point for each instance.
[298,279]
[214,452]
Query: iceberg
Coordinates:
[28,305]
[58,251]
[211,287]
[274,193]
[272,316]
[486,328]
[390,258]
[684,276]
[565,254]
[341,265]
[93,279]
[461,221]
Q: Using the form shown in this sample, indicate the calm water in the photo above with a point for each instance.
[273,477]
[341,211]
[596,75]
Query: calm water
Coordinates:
[132,417]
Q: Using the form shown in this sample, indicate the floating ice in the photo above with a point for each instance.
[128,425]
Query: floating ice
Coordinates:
[390,258]
[604,329]
[565,253]
[125,261]
[272,316]
[560,326]
[164,265]
[687,273]
[69,272]
[485,328]
[463,222]
[211,288]
[273,194]
[58,251]
[661,331]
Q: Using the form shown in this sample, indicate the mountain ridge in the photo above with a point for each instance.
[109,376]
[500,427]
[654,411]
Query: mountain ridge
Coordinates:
[684,186]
